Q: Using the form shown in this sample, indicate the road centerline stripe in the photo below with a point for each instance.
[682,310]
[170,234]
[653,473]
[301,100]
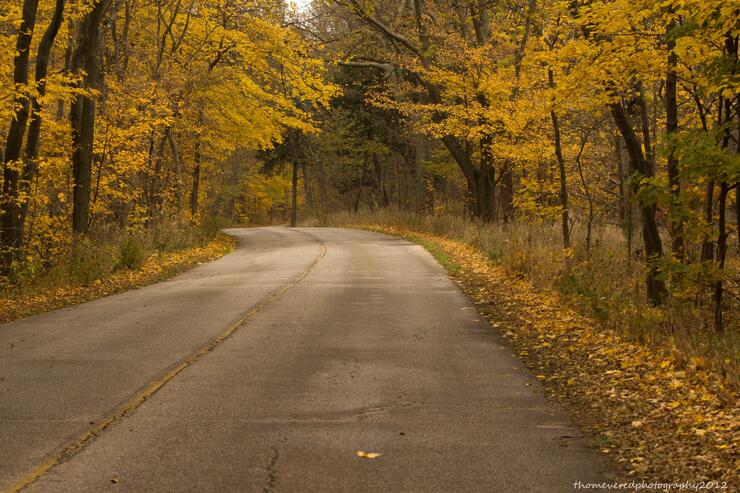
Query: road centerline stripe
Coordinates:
[153,386]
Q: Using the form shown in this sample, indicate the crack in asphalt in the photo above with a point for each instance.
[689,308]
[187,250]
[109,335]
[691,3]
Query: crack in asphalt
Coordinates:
[271,478]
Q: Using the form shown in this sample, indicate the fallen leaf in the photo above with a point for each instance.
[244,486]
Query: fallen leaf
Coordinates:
[368,455]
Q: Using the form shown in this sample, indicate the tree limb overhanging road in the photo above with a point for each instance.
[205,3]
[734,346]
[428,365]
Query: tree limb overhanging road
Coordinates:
[269,370]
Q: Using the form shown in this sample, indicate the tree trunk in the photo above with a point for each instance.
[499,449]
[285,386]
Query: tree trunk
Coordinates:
[195,191]
[419,178]
[10,210]
[30,167]
[197,158]
[294,197]
[82,114]
[486,200]
[307,185]
[656,289]
[721,255]
[645,127]
[561,168]
[155,193]
[121,41]
[323,193]
[179,194]
[707,245]
[737,213]
[381,180]
[625,207]
[144,176]
[589,197]
[60,112]
[671,108]
[507,195]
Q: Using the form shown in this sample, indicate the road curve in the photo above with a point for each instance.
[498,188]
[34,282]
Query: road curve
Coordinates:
[267,370]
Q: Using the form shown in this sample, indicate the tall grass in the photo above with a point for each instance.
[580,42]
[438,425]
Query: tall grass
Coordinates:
[81,261]
[604,282]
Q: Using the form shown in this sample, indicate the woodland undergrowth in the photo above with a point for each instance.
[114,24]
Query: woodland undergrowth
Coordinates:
[110,262]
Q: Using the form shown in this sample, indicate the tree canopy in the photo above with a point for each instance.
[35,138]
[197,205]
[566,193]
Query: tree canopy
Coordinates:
[123,115]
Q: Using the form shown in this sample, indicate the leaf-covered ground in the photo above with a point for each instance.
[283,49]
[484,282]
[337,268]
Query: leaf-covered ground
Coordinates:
[656,420]
[157,267]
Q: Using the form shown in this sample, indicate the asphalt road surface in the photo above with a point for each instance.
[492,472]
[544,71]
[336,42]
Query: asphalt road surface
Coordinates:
[268,370]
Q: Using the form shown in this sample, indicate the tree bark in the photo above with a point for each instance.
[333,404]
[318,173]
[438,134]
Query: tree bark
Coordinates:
[420,202]
[294,197]
[30,166]
[82,115]
[721,255]
[671,107]
[625,205]
[656,289]
[486,200]
[561,167]
[707,245]
[179,194]
[507,195]
[323,192]
[307,185]
[587,192]
[10,209]
[195,191]
[381,180]
[645,127]
[737,213]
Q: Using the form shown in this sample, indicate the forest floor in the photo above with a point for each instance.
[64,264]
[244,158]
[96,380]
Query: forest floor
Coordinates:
[157,267]
[656,417]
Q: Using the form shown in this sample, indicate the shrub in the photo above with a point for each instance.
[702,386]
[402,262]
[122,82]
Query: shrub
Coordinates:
[211,225]
[88,262]
[132,253]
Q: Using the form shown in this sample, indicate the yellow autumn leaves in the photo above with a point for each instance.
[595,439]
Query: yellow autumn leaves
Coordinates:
[367,455]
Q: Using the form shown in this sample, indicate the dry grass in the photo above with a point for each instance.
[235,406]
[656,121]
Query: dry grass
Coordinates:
[604,283]
[107,263]
[157,266]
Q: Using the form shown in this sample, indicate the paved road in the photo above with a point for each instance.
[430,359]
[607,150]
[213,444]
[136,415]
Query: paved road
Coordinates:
[268,370]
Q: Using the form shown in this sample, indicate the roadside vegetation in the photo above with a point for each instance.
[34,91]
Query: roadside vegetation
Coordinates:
[603,283]
[97,267]
[653,412]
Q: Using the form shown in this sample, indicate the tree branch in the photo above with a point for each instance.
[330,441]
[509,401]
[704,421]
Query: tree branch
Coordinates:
[383,29]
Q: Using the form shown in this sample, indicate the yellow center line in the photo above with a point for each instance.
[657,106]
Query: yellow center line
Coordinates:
[152,387]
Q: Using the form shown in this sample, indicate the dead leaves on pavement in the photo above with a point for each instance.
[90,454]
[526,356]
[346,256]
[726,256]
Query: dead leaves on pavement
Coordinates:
[368,455]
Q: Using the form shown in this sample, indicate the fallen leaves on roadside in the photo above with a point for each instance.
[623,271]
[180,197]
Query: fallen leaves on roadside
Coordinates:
[157,268]
[655,420]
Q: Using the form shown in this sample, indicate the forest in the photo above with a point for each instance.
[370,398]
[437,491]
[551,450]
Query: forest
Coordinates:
[573,165]
[592,146]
